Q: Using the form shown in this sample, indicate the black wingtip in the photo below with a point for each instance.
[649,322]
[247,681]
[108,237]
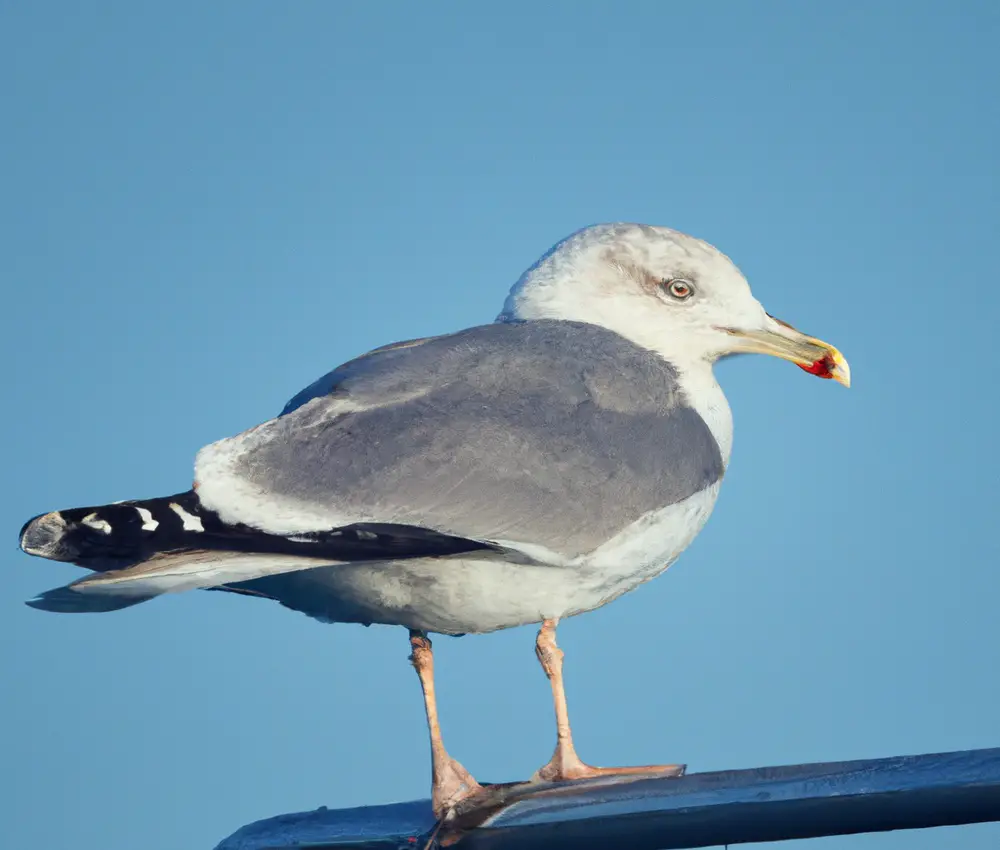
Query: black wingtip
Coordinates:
[43,536]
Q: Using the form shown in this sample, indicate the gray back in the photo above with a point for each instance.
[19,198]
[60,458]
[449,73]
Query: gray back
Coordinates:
[553,433]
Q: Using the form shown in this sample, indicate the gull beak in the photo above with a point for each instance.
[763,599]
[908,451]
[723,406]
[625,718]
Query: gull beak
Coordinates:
[782,340]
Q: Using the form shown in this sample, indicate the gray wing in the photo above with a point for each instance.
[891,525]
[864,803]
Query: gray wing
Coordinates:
[546,433]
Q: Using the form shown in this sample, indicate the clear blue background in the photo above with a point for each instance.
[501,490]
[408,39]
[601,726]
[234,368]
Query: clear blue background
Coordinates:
[207,205]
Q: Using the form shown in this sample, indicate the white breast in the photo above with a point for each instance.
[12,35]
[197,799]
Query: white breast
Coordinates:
[705,395]
[646,548]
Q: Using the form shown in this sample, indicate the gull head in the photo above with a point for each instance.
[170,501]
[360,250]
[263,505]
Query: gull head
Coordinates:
[666,291]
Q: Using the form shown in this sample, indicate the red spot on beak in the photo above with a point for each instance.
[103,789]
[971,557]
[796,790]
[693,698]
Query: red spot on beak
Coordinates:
[822,368]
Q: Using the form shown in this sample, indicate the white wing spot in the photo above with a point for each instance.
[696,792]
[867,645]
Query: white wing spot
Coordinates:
[93,521]
[191,522]
[148,523]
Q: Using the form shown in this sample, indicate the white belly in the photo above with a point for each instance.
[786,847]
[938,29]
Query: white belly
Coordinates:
[468,595]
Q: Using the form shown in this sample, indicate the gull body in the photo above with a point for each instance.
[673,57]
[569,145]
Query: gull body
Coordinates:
[518,472]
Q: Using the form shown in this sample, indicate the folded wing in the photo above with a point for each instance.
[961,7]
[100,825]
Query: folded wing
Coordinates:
[548,436]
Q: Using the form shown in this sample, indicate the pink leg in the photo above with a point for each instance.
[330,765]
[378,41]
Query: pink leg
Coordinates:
[565,763]
[452,783]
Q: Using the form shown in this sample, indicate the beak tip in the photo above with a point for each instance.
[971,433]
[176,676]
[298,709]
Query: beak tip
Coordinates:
[841,371]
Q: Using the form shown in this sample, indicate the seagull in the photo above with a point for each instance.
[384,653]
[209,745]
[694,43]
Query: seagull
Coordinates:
[519,472]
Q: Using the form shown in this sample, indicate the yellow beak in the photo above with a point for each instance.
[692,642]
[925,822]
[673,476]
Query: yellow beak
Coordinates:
[782,340]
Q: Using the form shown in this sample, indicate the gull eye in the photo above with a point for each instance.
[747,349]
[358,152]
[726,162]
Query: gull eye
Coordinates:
[680,288]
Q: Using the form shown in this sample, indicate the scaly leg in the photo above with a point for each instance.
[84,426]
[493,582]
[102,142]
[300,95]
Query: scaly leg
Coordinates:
[565,763]
[452,783]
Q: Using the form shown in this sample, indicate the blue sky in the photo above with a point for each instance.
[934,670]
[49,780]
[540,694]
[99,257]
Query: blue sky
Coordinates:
[206,206]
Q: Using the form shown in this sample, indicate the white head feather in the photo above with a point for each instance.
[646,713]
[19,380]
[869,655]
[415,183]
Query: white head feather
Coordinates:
[618,276]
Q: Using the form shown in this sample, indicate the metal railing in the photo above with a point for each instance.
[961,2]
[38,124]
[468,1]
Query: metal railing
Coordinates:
[643,813]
